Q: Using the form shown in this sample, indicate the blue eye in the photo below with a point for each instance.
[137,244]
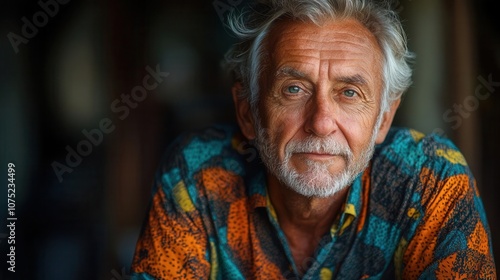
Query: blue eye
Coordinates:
[293,89]
[349,93]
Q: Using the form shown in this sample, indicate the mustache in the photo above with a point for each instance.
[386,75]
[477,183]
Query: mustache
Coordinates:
[319,145]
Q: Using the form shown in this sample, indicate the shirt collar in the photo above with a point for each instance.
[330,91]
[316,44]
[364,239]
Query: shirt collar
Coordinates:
[352,207]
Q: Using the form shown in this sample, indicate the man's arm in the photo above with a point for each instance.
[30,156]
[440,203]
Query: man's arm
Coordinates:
[453,239]
[173,242]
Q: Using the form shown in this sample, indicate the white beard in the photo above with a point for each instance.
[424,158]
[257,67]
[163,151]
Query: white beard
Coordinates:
[317,180]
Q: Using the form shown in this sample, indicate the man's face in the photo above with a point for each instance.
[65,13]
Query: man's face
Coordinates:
[319,104]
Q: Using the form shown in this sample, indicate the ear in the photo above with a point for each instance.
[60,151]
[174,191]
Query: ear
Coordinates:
[386,123]
[243,112]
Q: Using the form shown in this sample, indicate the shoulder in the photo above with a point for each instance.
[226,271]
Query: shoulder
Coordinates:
[414,170]
[412,151]
[194,149]
[203,160]
[426,179]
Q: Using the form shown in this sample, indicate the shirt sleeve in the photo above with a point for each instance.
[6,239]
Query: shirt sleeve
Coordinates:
[453,240]
[173,241]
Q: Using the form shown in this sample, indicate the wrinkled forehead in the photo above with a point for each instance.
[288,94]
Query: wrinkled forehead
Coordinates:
[345,44]
[335,28]
[343,34]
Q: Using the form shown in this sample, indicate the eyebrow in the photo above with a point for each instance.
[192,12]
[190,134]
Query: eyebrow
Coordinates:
[355,79]
[289,71]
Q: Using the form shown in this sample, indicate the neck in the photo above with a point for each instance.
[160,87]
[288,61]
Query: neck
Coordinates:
[309,213]
[304,220]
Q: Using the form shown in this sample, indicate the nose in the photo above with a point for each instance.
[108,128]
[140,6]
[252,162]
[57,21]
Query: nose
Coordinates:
[321,119]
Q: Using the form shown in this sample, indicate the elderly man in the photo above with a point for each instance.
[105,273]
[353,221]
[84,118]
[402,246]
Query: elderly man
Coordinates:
[314,183]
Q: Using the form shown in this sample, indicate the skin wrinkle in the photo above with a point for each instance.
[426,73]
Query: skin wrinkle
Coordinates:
[334,44]
[301,58]
[351,79]
[322,68]
[357,110]
[290,73]
[316,138]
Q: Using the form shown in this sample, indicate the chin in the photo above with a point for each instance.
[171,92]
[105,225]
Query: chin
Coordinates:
[321,184]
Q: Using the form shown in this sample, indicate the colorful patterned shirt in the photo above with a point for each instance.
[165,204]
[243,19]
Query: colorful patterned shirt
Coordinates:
[414,213]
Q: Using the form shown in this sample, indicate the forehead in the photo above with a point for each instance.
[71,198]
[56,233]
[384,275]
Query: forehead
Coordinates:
[342,45]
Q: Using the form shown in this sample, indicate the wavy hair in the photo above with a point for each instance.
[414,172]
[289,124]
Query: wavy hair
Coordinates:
[245,59]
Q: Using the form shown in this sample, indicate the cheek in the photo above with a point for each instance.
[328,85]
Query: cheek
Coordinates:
[357,129]
[277,117]
[282,124]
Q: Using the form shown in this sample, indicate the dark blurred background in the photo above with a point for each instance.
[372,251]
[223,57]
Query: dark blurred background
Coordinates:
[86,140]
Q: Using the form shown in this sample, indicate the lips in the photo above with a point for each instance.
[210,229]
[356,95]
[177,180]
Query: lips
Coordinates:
[318,156]
[317,146]
[317,153]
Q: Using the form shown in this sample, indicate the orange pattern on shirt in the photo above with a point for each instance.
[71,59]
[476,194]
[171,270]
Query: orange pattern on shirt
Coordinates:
[174,246]
[221,185]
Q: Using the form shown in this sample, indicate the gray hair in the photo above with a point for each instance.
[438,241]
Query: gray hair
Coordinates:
[244,59]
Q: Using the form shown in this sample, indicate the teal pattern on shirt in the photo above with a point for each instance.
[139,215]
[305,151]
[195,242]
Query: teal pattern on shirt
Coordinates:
[414,213]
